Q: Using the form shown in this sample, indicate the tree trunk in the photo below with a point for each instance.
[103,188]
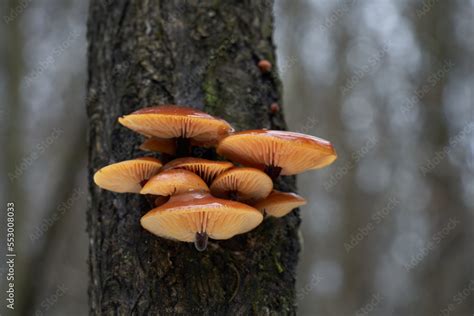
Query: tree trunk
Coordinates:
[203,54]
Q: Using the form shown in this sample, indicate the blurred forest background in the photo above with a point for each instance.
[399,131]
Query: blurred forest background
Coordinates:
[389,227]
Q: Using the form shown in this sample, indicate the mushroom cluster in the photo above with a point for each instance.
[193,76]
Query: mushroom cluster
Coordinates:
[194,198]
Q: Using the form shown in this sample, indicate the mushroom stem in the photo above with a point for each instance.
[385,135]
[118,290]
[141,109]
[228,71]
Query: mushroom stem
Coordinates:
[165,158]
[273,172]
[183,147]
[201,241]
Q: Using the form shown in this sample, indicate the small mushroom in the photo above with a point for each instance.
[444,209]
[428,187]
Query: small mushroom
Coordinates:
[127,176]
[165,146]
[274,108]
[155,144]
[181,124]
[195,217]
[206,169]
[279,204]
[277,152]
[265,66]
[175,181]
[242,184]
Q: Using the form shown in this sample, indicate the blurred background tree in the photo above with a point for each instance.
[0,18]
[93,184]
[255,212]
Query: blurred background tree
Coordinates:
[388,230]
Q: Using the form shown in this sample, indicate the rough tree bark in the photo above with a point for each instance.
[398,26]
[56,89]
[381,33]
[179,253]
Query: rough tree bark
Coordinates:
[203,54]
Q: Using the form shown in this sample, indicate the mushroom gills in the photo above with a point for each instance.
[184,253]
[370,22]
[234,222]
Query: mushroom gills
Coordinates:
[197,216]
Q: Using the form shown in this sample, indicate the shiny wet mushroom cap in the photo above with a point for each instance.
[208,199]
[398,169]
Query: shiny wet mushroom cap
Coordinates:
[166,145]
[277,152]
[206,169]
[176,122]
[127,176]
[279,204]
[161,145]
[242,184]
[195,217]
[174,181]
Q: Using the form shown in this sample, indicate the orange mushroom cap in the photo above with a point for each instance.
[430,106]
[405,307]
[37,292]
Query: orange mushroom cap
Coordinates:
[167,145]
[279,204]
[174,181]
[155,144]
[187,216]
[127,176]
[292,152]
[160,200]
[171,121]
[264,65]
[206,169]
[242,184]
